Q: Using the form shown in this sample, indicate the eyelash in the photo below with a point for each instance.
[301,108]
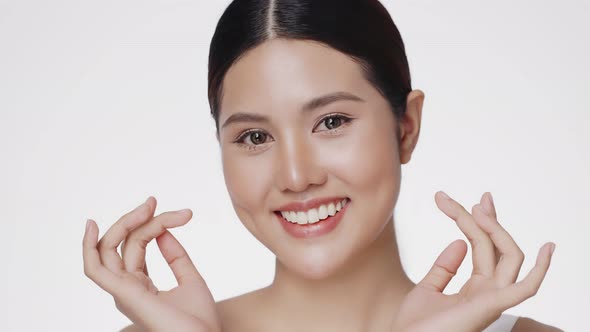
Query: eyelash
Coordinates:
[251,147]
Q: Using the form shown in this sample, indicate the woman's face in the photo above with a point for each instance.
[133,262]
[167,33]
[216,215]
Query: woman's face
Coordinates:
[299,154]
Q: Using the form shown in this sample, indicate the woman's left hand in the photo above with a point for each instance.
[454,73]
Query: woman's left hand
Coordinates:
[492,288]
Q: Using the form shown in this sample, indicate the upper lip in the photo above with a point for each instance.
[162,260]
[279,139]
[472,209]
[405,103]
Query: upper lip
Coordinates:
[309,204]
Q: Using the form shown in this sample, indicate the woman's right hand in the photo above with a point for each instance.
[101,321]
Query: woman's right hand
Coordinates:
[187,307]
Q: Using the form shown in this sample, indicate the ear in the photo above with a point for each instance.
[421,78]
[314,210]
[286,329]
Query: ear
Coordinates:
[410,125]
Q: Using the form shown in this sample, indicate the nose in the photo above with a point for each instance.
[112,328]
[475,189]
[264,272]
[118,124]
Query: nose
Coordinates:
[299,165]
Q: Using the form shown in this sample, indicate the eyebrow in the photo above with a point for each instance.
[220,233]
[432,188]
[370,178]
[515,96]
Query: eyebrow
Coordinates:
[307,107]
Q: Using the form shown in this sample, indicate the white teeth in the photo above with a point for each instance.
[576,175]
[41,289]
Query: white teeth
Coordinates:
[341,204]
[301,218]
[323,212]
[314,215]
[331,209]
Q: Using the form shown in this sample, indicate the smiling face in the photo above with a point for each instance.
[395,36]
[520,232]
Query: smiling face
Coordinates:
[341,146]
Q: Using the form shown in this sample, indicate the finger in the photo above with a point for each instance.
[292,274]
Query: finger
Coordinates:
[145,269]
[137,241]
[182,266]
[108,244]
[511,257]
[488,203]
[445,267]
[528,287]
[93,268]
[484,262]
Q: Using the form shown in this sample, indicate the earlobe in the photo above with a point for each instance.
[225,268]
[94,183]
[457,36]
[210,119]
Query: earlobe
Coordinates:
[410,125]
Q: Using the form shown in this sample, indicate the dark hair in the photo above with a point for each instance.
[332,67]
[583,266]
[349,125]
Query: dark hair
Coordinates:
[362,29]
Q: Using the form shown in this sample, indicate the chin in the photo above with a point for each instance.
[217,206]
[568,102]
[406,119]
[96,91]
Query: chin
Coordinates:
[315,263]
[325,257]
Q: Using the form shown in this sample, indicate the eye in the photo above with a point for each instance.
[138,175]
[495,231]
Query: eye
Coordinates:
[335,121]
[256,137]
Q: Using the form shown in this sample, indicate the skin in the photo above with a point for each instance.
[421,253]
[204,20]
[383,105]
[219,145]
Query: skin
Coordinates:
[332,280]
[348,280]
[356,265]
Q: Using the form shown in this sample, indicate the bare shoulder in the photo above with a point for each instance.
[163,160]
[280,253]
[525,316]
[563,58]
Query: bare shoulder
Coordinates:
[525,324]
[235,313]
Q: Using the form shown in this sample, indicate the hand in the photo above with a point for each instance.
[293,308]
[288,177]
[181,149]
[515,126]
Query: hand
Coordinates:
[490,290]
[187,307]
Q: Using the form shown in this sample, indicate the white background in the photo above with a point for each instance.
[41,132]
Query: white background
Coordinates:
[103,103]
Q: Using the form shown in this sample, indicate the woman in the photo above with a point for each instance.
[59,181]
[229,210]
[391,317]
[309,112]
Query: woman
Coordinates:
[315,115]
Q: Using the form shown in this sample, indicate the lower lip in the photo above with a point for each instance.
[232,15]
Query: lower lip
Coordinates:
[312,230]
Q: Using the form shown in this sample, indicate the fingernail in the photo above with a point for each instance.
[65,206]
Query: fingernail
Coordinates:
[87,224]
[491,199]
[444,195]
[552,248]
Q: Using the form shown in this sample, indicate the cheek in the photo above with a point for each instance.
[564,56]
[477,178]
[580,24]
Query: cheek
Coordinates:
[368,165]
[367,158]
[248,181]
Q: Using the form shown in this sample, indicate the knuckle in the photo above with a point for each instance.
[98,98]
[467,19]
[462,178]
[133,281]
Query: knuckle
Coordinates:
[519,256]
[161,228]
[159,222]
[130,239]
[88,272]
[139,243]
[136,240]
[128,278]
[531,290]
[476,241]
[103,244]
[441,272]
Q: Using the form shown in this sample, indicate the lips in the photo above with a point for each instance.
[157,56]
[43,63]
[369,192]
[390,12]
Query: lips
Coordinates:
[309,204]
[313,230]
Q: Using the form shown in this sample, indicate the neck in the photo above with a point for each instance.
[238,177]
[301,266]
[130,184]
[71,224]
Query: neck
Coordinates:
[365,292]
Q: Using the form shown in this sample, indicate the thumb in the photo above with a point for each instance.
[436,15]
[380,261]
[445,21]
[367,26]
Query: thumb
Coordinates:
[183,268]
[445,267]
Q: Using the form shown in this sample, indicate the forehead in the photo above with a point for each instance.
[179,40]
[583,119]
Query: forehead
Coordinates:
[282,74]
